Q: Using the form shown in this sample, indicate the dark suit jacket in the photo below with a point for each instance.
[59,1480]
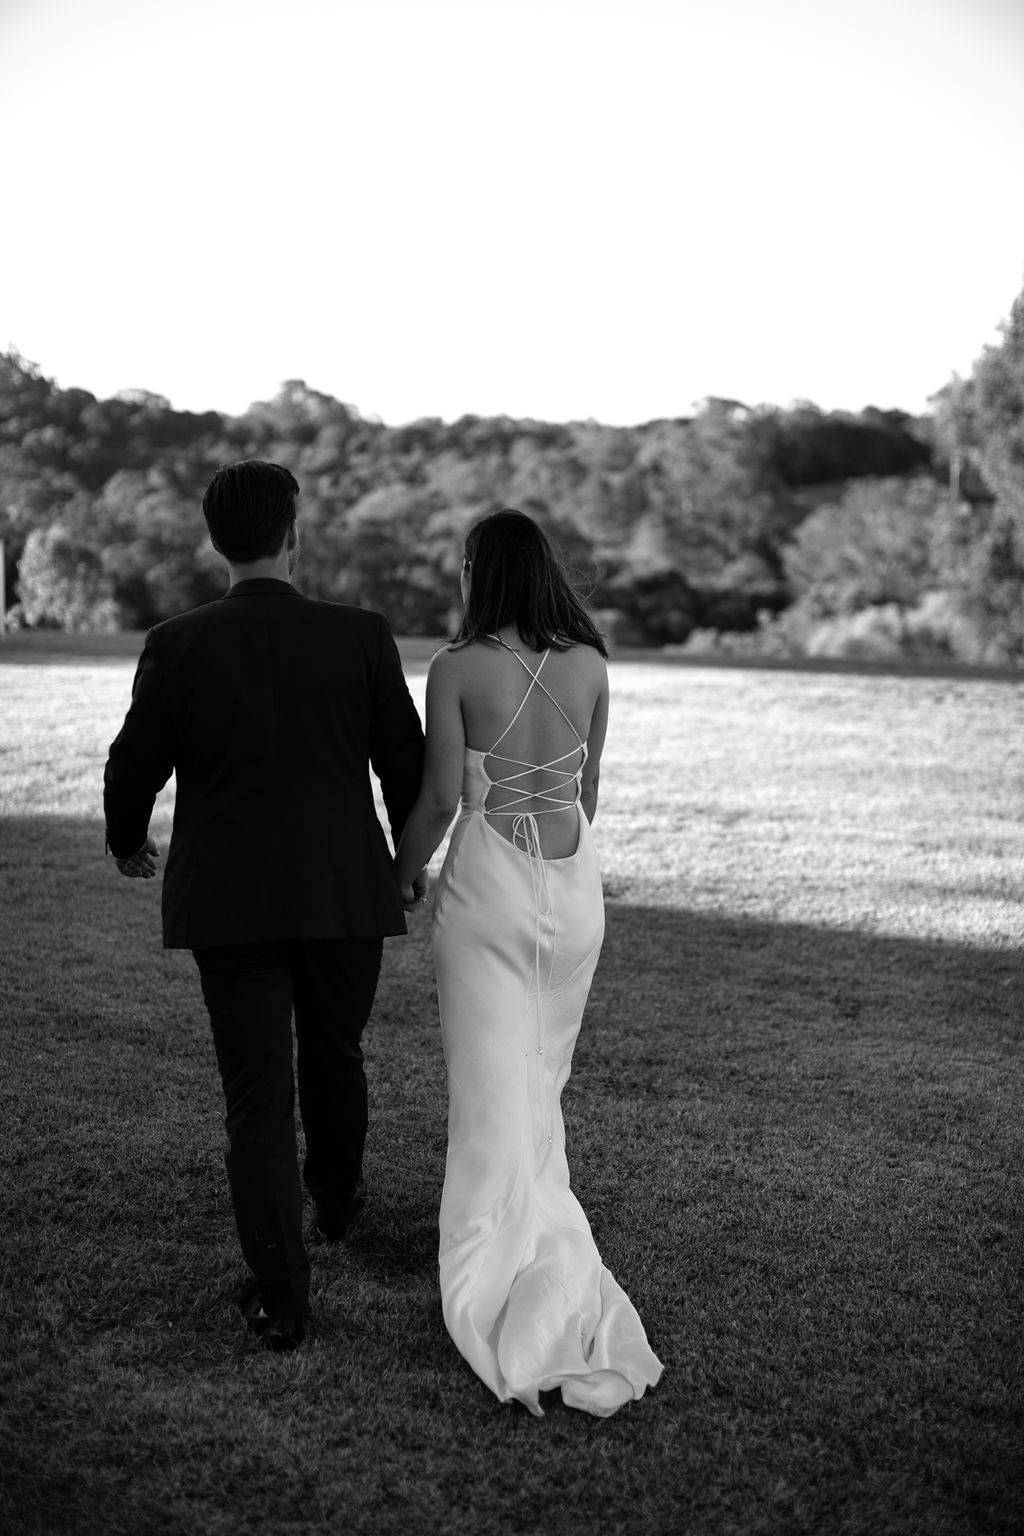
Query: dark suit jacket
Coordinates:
[270,708]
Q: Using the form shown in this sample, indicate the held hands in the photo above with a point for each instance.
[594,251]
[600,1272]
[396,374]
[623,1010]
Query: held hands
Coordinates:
[141,865]
[415,895]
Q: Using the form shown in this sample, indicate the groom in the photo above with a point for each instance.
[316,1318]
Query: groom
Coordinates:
[270,708]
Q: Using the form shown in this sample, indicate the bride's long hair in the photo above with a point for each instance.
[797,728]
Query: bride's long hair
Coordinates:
[517,578]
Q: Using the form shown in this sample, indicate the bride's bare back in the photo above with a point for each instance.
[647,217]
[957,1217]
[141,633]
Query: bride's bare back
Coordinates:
[531,733]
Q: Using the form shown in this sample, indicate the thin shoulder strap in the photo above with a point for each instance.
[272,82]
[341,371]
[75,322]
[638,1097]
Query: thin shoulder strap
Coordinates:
[520,660]
[534,679]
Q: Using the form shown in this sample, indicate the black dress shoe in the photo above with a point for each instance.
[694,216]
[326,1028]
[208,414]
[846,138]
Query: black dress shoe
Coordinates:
[333,1221]
[280,1332]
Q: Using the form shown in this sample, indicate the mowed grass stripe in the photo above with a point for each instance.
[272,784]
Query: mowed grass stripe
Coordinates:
[794,1121]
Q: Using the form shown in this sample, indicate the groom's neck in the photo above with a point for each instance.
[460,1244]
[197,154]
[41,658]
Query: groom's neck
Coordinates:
[275,567]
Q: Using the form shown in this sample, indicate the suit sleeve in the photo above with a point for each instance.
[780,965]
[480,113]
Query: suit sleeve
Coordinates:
[396,743]
[140,760]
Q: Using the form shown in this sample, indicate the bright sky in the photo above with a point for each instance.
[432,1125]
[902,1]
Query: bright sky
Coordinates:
[551,208]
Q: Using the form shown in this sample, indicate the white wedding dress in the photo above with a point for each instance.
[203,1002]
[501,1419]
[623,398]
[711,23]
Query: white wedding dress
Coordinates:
[516,939]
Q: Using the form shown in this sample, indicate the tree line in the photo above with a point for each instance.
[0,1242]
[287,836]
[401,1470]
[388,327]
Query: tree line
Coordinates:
[735,529]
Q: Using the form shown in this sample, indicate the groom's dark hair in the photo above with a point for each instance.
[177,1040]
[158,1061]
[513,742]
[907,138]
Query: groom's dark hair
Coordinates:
[249,507]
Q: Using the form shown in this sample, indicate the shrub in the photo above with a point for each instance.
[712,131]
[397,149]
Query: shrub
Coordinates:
[62,584]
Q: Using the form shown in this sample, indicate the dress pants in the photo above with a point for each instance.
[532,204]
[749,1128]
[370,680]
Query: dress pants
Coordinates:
[251,991]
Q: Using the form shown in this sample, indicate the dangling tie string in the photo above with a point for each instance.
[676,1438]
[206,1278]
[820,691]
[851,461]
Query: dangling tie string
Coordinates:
[525,826]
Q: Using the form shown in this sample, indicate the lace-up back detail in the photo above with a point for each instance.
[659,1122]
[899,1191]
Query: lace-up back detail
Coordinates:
[559,774]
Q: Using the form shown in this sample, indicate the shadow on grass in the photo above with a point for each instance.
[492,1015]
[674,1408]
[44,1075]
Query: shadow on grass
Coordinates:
[799,1148]
[756,1025]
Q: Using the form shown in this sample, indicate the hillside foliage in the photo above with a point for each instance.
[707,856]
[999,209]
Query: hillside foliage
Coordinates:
[736,528]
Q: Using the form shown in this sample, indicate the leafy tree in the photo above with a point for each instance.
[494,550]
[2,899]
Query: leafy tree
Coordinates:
[25,396]
[710,499]
[875,545]
[656,607]
[954,431]
[35,439]
[976,555]
[152,532]
[999,413]
[807,446]
[62,583]
[991,573]
[298,414]
[383,560]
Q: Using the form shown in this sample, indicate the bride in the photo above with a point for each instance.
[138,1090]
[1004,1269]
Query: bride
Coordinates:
[517,709]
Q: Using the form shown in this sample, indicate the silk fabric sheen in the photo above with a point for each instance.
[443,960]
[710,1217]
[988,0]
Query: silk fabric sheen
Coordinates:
[526,1298]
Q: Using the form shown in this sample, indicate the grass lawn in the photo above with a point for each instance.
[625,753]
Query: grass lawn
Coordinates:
[795,1121]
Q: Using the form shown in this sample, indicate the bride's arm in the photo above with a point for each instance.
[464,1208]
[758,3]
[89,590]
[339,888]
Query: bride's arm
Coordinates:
[595,746]
[438,799]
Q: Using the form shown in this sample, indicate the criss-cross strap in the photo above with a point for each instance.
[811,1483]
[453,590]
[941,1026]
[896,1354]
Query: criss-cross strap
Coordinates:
[526,833]
[535,682]
[554,766]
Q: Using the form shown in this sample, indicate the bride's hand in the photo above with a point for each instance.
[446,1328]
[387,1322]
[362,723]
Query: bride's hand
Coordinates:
[415,895]
[140,865]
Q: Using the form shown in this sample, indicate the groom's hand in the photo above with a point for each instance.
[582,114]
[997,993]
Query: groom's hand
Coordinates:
[141,865]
